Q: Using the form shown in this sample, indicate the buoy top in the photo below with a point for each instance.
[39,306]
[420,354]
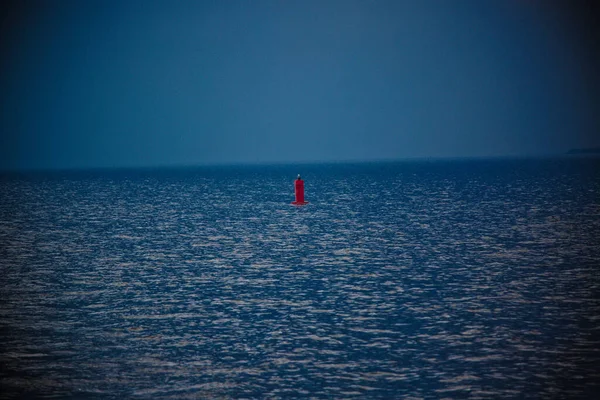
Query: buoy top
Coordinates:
[299,176]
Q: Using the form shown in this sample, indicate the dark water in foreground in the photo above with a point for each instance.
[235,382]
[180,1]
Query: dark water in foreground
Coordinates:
[451,279]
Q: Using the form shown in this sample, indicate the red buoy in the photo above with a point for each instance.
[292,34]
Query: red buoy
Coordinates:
[299,190]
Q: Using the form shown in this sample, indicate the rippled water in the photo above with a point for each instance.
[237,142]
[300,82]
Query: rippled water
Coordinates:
[417,279]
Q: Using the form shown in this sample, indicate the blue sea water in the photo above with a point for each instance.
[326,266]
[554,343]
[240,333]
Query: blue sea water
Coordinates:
[416,279]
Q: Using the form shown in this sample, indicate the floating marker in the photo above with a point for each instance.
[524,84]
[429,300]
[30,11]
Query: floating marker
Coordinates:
[299,190]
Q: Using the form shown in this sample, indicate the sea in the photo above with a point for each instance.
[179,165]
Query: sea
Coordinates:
[419,279]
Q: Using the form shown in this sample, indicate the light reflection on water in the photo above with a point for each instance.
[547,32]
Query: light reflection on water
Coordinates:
[425,279]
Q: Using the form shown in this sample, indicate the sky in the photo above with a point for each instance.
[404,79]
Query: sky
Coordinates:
[150,83]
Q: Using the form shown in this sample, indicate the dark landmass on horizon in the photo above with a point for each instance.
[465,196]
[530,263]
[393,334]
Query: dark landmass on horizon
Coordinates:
[588,150]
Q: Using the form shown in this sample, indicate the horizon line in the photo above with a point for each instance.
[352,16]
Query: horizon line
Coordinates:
[283,163]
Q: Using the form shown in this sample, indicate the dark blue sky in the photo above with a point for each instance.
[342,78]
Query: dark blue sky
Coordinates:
[143,83]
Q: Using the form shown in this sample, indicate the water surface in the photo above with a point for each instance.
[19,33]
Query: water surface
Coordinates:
[423,279]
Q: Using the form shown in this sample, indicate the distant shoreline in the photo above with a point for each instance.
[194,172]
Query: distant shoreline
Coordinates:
[589,150]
